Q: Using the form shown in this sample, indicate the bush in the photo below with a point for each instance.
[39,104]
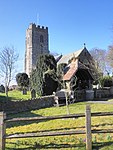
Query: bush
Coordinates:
[2,89]
[106,81]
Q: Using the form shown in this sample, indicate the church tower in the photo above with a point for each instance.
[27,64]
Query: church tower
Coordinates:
[36,44]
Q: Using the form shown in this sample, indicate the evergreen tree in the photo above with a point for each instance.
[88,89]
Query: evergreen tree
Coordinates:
[50,83]
[22,81]
[44,62]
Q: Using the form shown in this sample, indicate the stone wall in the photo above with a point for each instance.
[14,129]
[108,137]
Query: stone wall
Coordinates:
[35,46]
[102,93]
[20,106]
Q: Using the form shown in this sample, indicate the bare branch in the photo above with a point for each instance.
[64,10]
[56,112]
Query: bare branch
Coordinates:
[8,58]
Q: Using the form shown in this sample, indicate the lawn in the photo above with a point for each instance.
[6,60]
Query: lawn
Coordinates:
[74,142]
[15,95]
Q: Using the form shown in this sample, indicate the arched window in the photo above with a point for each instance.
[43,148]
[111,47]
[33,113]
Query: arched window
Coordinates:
[41,39]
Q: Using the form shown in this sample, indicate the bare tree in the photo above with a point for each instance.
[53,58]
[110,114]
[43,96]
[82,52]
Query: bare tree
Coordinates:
[110,56]
[101,61]
[8,58]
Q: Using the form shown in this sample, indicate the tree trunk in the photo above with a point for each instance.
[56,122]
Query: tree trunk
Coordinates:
[6,91]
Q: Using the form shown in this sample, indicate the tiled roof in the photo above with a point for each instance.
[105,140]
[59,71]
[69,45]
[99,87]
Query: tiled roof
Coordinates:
[73,67]
[66,58]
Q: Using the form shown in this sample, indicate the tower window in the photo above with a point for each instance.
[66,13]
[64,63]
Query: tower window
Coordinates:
[41,39]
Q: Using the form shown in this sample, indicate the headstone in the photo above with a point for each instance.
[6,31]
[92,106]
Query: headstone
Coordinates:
[24,91]
[33,93]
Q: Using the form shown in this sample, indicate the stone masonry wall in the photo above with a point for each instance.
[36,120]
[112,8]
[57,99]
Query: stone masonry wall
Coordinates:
[26,105]
[35,46]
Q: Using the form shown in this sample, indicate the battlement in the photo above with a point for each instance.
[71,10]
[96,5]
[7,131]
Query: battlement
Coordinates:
[33,25]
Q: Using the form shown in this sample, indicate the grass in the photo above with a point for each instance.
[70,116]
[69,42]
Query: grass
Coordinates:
[75,142]
[15,95]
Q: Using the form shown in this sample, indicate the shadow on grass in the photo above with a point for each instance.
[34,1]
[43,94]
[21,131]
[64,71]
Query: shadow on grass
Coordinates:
[74,128]
[99,145]
[22,123]
[5,99]
[81,146]
[52,145]
[30,114]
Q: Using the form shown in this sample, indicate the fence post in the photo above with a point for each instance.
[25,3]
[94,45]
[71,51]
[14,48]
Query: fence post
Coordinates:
[2,130]
[88,128]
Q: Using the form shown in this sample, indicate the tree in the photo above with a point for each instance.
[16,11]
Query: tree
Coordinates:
[60,69]
[2,89]
[60,73]
[106,81]
[44,62]
[22,81]
[50,83]
[110,56]
[8,58]
[100,58]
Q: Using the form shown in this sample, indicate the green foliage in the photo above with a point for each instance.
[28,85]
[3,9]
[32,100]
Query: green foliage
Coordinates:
[106,81]
[95,139]
[60,69]
[60,73]
[109,138]
[44,62]
[50,82]
[2,89]
[22,79]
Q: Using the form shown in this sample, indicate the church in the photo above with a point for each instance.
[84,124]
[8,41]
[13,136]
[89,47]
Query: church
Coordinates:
[79,63]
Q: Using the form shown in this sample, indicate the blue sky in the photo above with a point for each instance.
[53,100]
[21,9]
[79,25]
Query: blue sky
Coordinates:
[71,23]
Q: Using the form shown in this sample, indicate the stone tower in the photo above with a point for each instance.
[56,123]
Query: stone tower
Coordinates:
[36,44]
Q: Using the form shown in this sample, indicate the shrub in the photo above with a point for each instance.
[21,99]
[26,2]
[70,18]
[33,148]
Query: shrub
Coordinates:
[2,89]
[106,81]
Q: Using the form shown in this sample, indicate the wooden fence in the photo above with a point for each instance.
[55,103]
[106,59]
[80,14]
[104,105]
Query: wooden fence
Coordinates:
[87,131]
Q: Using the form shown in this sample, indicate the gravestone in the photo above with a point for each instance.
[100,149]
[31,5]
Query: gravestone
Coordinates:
[33,93]
[24,91]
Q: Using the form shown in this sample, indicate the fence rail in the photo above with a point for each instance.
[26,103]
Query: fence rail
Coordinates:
[44,134]
[58,117]
[45,118]
[87,131]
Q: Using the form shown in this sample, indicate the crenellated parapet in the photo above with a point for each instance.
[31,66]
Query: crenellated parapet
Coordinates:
[37,27]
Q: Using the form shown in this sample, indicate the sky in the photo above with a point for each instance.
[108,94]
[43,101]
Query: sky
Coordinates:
[71,23]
